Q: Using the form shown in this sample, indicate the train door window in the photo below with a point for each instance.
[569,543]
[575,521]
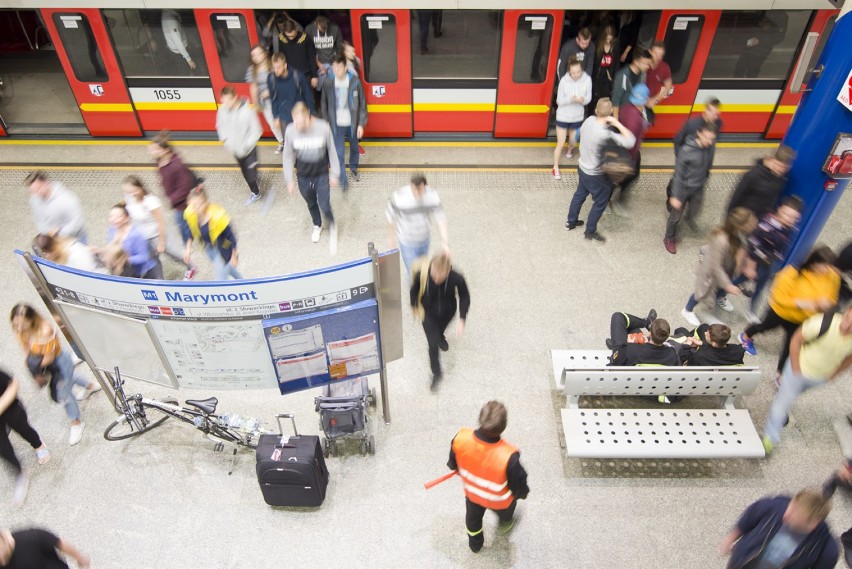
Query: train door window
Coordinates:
[455,44]
[829,26]
[157,43]
[532,48]
[232,44]
[81,47]
[758,44]
[681,40]
[379,36]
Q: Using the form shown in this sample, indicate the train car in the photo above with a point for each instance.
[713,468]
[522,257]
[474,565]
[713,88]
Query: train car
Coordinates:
[428,67]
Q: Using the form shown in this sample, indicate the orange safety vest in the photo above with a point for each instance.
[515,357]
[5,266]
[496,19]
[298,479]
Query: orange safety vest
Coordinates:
[482,468]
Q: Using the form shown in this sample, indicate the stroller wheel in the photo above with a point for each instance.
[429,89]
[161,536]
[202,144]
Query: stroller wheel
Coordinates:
[333,447]
[363,448]
[371,444]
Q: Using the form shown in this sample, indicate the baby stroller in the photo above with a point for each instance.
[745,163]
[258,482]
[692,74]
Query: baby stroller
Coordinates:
[342,409]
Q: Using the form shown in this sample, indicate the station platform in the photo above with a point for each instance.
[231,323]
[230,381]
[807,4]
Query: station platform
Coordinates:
[165,499]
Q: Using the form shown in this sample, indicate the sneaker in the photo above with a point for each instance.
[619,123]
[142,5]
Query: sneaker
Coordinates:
[752,317]
[748,344]
[609,344]
[506,527]
[280,149]
[332,239]
[86,393]
[652,315]
[252,198]
[569,153]
[356,177]
[190,273]
[569,226]
[22,485]
[443,344]
[315,234]
[664,399]
[725,304]
[595,237]
[690,317]
[43,455]
[436,379]
[556,174]
[670,246]
[768,445]
[76,433]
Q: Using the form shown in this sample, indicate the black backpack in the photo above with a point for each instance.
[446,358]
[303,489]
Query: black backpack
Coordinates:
[616,162]
[827,319]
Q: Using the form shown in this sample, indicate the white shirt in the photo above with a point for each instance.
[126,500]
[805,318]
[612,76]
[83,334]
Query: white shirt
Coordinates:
[174,34]
[142,215]
[413,217]
[81,257]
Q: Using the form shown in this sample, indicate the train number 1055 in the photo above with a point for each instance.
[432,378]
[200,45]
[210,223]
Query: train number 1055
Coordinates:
[167,94]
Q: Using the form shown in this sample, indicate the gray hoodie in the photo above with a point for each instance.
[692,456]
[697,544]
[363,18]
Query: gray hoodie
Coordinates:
[692,168]
[239,129]
[312,151]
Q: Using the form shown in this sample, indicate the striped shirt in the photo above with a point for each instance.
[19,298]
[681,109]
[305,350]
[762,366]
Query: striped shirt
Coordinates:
[413,216]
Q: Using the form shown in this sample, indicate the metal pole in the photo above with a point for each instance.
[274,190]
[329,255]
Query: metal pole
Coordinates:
[383,374]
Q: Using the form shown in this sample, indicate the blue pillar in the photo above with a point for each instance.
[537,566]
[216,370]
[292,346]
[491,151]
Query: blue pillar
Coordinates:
[818,120]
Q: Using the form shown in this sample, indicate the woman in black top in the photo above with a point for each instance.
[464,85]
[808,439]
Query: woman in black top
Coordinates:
[606,65]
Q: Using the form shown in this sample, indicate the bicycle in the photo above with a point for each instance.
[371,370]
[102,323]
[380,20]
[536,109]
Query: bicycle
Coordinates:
[140,414]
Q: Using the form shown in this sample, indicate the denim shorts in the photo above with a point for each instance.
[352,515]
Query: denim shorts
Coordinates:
[569,125]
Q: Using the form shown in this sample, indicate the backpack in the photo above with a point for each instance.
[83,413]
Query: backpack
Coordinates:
[616,162]
[421,265]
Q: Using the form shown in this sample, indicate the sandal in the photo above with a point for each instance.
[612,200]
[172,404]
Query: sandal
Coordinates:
[43,455]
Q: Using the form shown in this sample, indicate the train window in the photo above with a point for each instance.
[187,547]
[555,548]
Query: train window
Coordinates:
[378,34]
[157,43]
[758,44]
[829,26]
[471,49]
[232,44]
[81,47]
[532,48]
[682,35]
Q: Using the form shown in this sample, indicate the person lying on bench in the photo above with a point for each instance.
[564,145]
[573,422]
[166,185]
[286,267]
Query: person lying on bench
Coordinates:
[630,347]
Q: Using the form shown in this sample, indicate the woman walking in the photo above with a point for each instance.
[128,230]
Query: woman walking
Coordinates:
[574,93]
[211,225]
[717,264]
[145,264]
[50,363]
[69,252]
[13,417]
[256,76]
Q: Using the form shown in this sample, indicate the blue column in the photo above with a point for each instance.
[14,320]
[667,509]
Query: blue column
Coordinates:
[818,120]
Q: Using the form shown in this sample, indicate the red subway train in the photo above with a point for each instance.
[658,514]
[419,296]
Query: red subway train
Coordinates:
[104,71]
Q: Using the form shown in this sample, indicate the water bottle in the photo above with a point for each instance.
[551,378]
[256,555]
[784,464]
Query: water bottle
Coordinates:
[198,421]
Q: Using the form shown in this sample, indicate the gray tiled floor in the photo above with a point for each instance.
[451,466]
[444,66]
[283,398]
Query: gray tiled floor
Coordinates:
[166,500]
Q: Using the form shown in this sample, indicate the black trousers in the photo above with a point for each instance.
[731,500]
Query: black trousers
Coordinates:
[473,521]
[770,322]
[248,166]
[621,324]
[434,326]
[15,418]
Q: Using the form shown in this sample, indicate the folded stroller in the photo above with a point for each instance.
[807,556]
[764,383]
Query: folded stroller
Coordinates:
[342,412]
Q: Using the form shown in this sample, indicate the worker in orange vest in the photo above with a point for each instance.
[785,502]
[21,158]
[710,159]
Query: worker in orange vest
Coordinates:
[491,471]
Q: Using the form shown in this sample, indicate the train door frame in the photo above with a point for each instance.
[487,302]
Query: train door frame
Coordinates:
[781,117]
[679,106]
[389,103]
[211,53]
[104,104]
[523,109]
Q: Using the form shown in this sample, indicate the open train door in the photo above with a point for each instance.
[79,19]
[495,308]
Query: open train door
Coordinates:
[527,72]
[382,38]
[227,37]
[688,35]
[83,45]
[821,26]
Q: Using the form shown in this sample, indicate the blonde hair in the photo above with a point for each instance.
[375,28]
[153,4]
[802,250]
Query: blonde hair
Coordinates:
[300,108]
[493,417]
[814,504]
[441,262]
[604,108]
[114,258]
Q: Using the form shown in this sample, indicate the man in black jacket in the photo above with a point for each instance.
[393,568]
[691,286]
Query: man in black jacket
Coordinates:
[299,50]
[436,291]
[631,348]
[761,186]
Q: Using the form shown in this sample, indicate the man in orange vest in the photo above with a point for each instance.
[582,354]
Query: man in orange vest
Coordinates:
[491,471]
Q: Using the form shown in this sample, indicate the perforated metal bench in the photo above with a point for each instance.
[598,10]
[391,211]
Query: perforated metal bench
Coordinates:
[654,433]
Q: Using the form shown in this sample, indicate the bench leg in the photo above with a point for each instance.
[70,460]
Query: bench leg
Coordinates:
[573,402]
[729,403]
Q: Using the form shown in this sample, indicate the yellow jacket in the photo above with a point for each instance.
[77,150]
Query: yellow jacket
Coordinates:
[791,286]
[221,235]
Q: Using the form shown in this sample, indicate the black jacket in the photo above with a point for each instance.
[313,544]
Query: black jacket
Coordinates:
[514,471]
[645,354]
[758,190]
[439,301]
[300,53]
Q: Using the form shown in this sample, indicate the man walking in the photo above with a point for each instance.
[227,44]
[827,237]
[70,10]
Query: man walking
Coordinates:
[410,213]
[38,548]
[56,209]
[635,118]
[820,350]
[491,471]
[327,40]
[239,129]
[759,188]
[691,172]
[581,48]
[436,291]
[711,114]
[628,77]
[594,134]
[783,532]
[309,146]
[286,88]
[659,78]
[345,108]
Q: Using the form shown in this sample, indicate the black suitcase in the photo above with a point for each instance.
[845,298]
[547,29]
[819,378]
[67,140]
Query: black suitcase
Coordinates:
[291,471]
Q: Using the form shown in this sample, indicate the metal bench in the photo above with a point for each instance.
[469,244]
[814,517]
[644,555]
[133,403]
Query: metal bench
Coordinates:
[654,433]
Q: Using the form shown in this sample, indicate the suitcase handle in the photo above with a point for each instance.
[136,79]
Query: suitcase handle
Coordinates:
[280,416]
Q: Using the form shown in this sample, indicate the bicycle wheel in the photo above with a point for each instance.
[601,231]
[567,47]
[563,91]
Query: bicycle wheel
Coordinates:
[153,417]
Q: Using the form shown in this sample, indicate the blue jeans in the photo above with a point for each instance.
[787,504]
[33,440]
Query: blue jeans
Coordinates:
[692,302]
[763,271]
[600,188]
[82,237]
[68,380]
[340,134]
[792,385]
[316,193]
[411,252]
[221,269]
[182,226]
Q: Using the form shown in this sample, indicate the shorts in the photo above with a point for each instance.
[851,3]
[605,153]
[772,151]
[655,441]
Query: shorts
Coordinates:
[569,125]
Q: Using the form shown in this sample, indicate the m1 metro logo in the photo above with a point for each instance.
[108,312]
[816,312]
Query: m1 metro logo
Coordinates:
[150,295]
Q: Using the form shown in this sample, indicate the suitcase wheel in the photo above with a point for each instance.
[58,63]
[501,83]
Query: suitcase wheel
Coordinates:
[326,448]
[371,444]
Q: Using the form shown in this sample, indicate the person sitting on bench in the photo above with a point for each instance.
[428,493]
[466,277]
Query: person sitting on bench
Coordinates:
[709,346]
[630,347]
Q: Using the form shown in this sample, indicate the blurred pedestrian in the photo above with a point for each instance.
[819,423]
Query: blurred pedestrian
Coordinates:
[410,213]
[38,549]
[711,114]
[239,130]
[627,78]
[69,252]
[257,76]
[287,87]
[299,50]
[634,117]
[659,78]
[759,189]
[143,259]
[211,226]
[56,209]
[572,96]
[344,106]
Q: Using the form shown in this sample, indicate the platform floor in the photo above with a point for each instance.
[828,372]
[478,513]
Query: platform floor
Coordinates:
[166,500]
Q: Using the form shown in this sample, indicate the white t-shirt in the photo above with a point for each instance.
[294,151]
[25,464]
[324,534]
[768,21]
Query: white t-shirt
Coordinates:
[143,219]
